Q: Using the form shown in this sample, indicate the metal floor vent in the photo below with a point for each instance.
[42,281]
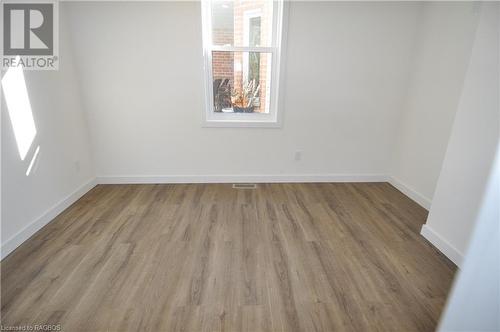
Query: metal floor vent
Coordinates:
[244,186]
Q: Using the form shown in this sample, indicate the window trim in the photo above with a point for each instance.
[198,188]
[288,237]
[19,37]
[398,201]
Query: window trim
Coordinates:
[273,119]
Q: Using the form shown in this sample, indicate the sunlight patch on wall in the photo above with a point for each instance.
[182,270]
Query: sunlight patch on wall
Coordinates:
[33,160]
[18,104]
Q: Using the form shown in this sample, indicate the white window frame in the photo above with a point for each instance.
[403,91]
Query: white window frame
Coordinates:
[275,115]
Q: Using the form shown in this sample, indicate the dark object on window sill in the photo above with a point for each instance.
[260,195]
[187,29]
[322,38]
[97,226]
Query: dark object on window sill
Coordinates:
[222,94]
[248,109]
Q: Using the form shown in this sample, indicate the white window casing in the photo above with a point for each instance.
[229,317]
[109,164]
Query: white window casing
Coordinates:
[274,117]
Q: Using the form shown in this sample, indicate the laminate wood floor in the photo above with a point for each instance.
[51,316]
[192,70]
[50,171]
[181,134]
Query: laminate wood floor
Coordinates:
[207,257]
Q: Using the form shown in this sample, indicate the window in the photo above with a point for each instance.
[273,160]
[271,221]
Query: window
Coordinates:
[242,43]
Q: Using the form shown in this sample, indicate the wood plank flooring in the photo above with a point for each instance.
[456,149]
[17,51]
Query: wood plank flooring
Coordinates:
[207,257]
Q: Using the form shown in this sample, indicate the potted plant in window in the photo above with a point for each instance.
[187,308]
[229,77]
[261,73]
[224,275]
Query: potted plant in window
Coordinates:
[245,99]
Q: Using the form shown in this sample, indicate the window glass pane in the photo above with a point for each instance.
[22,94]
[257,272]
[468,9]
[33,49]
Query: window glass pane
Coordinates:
[242,23]
[241,81]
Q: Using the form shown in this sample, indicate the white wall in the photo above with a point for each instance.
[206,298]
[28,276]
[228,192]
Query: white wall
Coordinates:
[446,32]
[28,202]
[474,303]
[142,80]
[472,145]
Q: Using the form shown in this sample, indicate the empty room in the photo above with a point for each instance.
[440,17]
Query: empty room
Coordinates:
[250,165]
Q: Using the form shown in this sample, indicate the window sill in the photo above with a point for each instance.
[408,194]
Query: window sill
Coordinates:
[241,120]
[240,124]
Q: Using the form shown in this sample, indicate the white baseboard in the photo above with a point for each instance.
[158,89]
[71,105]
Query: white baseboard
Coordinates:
[280,178]
[411,193]
[432,236]
[442,245]
[44,219]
